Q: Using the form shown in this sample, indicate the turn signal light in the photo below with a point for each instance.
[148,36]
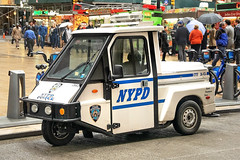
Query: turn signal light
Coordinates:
[62,111]
[94,91]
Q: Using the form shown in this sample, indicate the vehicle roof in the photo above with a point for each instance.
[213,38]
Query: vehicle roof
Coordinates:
[120,29]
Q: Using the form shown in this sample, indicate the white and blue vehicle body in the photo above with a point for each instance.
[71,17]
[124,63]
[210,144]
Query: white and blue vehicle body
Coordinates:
[112,81]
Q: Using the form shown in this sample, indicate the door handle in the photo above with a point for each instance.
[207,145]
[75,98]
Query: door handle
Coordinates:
[144,83]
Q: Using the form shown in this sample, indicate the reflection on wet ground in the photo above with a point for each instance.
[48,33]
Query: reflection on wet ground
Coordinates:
[14,59]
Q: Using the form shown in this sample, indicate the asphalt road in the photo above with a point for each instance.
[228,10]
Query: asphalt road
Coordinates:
[217,139]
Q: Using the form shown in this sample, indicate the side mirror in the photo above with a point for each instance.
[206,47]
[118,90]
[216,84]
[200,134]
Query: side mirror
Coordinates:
[118,71]
[53,57]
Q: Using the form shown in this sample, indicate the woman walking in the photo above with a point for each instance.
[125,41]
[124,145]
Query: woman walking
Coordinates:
[17,34]
[195,39]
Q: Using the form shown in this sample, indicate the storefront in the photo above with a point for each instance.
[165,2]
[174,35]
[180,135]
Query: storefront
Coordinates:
[172,16]
[229,11]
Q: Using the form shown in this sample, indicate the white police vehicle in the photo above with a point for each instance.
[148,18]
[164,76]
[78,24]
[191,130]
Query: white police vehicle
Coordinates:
[112,81]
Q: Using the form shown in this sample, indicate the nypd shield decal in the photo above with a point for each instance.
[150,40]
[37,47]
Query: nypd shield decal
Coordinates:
[95,112]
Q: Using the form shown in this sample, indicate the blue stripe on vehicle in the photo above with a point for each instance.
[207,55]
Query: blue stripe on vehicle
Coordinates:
[176,76]
[151,79]
[136,104]
[133,81]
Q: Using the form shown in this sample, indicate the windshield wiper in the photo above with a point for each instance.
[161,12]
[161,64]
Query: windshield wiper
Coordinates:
[79,66]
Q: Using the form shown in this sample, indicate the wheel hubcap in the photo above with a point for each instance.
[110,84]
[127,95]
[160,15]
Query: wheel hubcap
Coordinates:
[189,117]
[57,130]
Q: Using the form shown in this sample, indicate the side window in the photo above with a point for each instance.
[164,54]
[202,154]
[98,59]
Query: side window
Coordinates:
[130,53]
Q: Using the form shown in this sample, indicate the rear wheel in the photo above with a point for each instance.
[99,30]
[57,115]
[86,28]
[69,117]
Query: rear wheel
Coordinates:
[188,118]
[56,133]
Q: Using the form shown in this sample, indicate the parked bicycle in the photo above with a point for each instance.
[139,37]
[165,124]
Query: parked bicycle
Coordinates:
[204,58]
[220,70]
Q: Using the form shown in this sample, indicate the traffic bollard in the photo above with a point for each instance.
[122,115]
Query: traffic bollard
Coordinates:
[16,90]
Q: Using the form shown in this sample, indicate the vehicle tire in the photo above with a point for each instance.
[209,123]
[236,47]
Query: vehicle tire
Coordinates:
[222,78]
[188,118]
[214,80]
[53,133]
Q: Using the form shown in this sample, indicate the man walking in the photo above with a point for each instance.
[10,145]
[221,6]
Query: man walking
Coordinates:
[42,32]
[182,35]
[237,34]
[230,34]
[30,38]
[222,41]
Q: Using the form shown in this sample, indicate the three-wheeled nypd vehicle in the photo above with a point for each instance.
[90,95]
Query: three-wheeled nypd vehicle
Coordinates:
[112,81]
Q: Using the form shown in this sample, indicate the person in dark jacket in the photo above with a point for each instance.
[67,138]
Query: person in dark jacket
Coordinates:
[237,34]
[182,39]
[222,41]
[90,26]
[204,40]
[164,43]
[30,38]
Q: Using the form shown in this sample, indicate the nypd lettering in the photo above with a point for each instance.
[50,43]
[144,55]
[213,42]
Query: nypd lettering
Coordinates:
[46,97]
[133,94]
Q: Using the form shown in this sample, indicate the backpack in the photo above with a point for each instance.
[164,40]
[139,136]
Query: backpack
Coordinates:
[223,40]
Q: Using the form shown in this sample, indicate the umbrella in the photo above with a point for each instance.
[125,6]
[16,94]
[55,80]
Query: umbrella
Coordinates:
[210,18]
[186,20]
[190,26]
[65,24]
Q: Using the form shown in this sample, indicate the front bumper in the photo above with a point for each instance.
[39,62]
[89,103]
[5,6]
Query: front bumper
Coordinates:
[71,110]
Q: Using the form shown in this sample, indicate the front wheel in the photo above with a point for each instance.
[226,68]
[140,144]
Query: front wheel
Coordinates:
[56,133]
[188,118]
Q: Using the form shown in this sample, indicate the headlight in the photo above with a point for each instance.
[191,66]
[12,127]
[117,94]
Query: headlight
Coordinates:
[48,110]
[34,108]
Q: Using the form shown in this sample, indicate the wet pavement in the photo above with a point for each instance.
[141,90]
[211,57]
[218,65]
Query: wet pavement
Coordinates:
[17,59]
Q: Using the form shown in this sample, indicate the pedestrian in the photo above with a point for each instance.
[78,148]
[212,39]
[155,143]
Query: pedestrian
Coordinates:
[195,39]
[230,34]
[12,41]
[173,35]
[54,36]
[50,35]
[30,38]
[23,32]
[90,26]
[164,43]
[36,32]
[17,35]
[221,41]
[212,41]
[212,34]
[204,40]
[67,34]
[182,39]
[42,32]
[237,34]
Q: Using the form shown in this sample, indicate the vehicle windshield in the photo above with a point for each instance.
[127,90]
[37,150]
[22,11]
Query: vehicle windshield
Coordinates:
[78,58]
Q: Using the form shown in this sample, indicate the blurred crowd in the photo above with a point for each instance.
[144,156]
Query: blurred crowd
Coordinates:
[226,36]
[33,34]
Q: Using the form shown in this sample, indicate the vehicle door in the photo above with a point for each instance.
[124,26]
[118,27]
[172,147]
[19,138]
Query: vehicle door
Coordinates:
[132,84]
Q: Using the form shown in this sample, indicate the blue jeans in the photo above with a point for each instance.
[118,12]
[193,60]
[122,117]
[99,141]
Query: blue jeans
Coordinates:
[42,39]
[219,55]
